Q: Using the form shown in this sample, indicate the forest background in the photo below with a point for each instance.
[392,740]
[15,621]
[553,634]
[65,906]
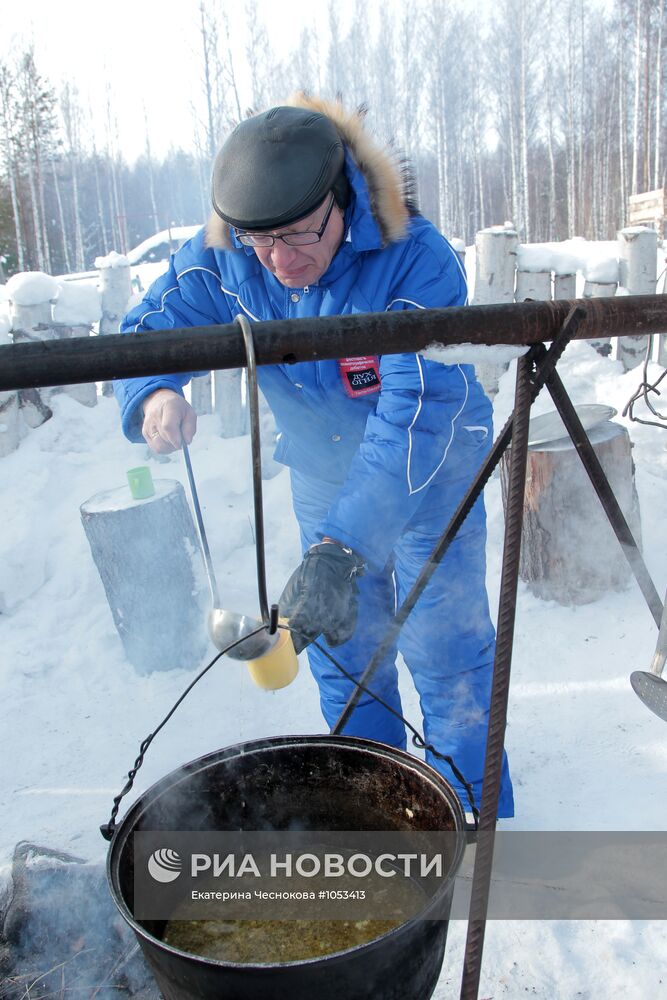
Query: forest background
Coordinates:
[549,114]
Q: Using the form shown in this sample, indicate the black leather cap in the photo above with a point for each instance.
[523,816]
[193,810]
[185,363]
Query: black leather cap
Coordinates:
[276,168]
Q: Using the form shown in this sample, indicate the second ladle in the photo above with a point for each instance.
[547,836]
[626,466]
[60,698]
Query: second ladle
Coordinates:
[650,685]
[226,627]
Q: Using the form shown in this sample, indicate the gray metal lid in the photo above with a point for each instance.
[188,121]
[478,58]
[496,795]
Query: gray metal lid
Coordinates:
[548,427]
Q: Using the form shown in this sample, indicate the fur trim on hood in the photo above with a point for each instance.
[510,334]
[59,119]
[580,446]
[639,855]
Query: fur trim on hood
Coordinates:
[387,177]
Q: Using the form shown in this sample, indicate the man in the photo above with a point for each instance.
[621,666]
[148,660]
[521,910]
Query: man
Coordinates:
[311,218]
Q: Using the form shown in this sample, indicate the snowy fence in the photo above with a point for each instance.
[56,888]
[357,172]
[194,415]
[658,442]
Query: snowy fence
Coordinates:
[42,307]
[507,271]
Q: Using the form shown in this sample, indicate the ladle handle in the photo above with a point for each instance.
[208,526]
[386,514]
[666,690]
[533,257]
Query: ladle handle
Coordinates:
[212,582]
[658,662]
[256,445]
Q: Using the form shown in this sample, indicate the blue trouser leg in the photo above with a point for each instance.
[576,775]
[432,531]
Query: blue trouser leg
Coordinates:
[376,607]
[448,643]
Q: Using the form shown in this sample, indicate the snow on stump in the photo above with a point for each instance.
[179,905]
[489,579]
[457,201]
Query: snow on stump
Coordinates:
[569,552]
[148,557]
[496,251]
[638,266]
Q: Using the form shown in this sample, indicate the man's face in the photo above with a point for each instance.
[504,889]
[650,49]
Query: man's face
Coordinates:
[298,266]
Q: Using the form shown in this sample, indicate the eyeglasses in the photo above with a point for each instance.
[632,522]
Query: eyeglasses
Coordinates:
[303,239]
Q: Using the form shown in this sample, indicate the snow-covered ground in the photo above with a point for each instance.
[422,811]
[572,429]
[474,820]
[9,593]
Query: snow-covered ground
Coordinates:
[585,753]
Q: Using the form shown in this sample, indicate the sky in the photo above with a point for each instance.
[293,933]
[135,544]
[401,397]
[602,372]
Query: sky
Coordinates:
[144,51]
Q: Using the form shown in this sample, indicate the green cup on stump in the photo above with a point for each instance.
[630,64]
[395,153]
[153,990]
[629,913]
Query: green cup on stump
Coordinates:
[141,482]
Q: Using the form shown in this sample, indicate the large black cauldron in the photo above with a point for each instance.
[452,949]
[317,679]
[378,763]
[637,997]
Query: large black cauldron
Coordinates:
[334,783]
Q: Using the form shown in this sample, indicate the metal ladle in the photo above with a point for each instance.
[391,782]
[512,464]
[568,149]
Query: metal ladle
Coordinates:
[226,627]
[649,685]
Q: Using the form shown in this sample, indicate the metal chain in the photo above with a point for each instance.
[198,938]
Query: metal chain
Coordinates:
[645,386]
[642,392]
[108,829]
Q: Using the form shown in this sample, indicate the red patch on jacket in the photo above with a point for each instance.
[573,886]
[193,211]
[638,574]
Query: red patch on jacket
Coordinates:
[360,376]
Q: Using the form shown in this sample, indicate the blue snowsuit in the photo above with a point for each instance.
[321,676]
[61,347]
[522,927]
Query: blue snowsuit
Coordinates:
[381,473]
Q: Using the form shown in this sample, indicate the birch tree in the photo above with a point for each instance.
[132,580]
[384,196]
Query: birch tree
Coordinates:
[70,112]
[8,144]
[36,101]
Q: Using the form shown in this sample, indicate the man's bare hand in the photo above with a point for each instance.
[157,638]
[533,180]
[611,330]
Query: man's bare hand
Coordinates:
[168,421]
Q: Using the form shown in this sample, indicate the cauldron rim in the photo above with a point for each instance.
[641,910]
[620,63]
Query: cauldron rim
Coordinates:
[164,783]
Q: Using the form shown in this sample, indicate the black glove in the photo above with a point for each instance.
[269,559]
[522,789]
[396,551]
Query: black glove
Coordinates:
[321,595]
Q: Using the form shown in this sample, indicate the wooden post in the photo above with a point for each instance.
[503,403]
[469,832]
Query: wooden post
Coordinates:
[10,424]
[84,392]
[200,395]
[638,248]
[115,290]
[569,552]
[115,285]
[147,554]
[662,337]
[30,311]
[495,265]
[602,289]
[459,248]
[32,321]
[662,350]
[565,286]
[230,402]
[495,249]
[534,285]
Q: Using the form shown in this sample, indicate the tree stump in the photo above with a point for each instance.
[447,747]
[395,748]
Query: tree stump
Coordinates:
[569,552]
[147,554]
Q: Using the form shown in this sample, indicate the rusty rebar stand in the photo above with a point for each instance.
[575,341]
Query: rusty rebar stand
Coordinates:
[495,745]
[283,342]
[546,374]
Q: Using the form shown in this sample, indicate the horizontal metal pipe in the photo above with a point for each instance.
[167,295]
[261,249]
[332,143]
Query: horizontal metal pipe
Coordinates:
[205,348]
